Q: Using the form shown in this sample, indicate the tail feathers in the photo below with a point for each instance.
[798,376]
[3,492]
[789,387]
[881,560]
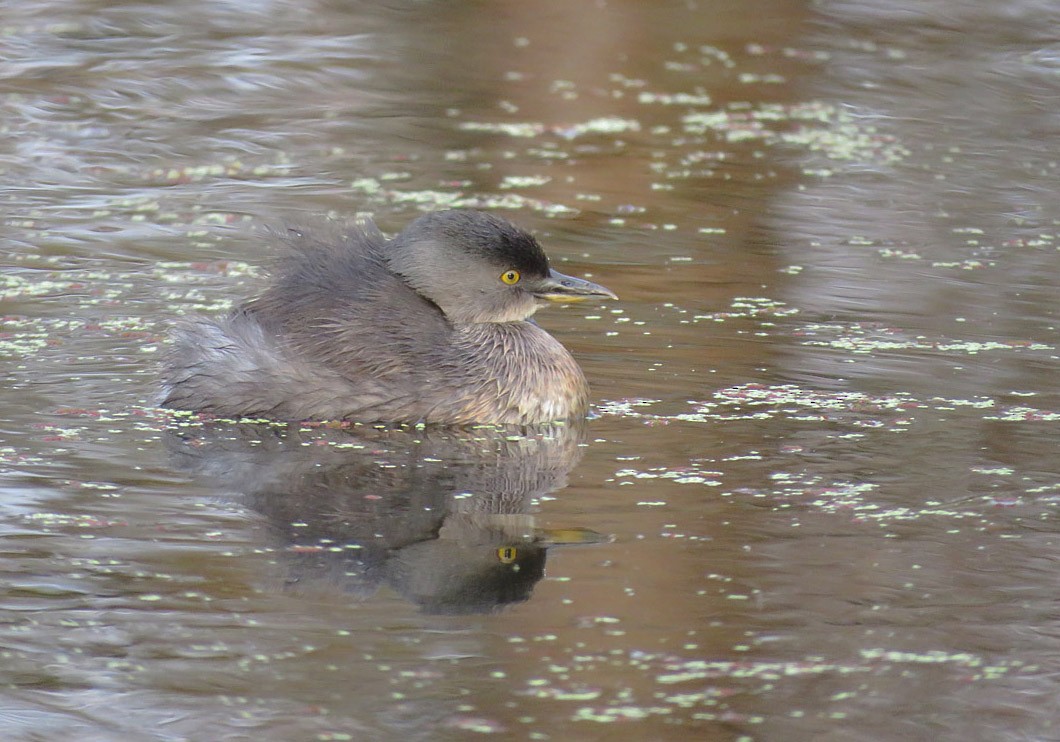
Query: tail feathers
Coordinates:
[232,369]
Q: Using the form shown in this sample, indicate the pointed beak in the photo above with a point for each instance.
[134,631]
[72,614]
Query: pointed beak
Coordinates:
[568,536]
[560,288]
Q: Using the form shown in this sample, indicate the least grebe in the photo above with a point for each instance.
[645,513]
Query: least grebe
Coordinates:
[431,326]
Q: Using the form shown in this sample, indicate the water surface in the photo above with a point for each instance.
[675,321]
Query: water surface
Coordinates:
[818,498]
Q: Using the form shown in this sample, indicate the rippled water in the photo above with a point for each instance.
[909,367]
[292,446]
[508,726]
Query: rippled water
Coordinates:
[819,496]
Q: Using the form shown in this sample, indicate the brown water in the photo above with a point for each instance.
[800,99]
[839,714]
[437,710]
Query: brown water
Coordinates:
[818,501]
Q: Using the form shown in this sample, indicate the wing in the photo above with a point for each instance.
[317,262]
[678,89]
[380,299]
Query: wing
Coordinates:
[336,303]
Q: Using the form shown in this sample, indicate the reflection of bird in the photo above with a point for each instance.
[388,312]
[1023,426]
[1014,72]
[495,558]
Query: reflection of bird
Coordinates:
[431,326]
[442,515]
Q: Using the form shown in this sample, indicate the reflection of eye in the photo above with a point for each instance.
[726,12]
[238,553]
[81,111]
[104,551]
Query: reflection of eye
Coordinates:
[507,554]
[510,277]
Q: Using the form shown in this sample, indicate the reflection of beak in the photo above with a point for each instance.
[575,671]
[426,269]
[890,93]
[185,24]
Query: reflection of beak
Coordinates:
[560,288]
[568,536]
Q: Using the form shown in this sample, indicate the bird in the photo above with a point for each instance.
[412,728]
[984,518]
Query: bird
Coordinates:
[431,326]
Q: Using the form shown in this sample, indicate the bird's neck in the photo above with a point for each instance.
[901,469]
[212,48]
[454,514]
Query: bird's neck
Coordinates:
[538,378]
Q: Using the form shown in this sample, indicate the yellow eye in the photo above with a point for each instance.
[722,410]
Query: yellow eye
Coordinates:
[510,277]
[507,554]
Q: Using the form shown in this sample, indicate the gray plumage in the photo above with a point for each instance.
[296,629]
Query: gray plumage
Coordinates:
[420,328]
